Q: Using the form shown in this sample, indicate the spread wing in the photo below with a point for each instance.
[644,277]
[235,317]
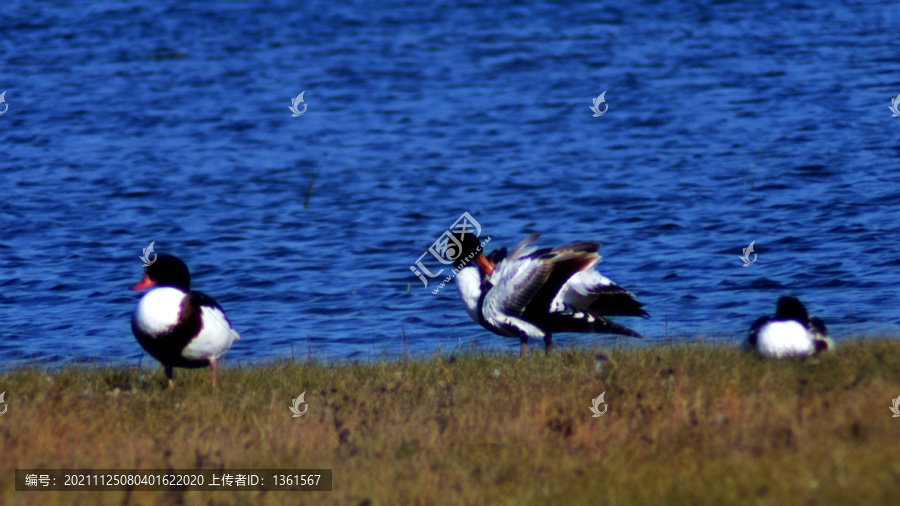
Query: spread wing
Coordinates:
[576,297]
[497,255]
[526,282]
[533,291]
[525,247]
[567,262]
[515,282]
[590,290]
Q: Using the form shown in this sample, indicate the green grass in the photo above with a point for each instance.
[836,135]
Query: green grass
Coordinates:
[694,424]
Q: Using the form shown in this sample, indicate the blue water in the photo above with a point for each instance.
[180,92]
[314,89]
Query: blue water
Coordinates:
[727,123]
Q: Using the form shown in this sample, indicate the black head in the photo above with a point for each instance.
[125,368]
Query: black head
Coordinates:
[470,248]
[166,270]
[790,308]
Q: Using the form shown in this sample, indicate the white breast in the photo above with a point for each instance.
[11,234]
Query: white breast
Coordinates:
[159,310]
[784,339]
[468,284]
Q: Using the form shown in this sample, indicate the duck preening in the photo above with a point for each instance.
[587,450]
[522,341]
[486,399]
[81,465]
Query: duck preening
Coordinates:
[532,293]
[178,326]
[790,333]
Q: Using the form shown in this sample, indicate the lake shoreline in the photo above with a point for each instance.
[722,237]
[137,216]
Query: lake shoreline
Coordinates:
[677,425]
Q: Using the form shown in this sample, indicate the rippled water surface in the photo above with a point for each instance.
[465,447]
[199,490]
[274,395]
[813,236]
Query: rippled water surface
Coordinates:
[169,122]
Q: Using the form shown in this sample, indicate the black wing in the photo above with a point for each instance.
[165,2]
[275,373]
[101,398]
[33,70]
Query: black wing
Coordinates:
[754,329]
[200,299]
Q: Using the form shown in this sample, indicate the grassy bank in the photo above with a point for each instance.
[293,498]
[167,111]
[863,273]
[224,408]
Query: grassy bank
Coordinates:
[685,425]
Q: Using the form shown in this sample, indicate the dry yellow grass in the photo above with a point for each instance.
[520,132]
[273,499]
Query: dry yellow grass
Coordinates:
[686,425]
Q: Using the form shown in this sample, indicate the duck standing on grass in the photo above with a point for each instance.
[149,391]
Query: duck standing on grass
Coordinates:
[533,292]
[178,326]
[790,333]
